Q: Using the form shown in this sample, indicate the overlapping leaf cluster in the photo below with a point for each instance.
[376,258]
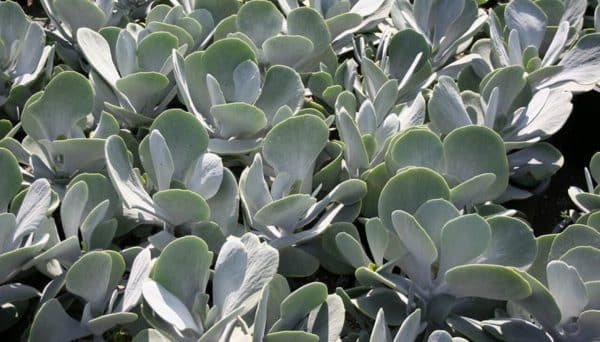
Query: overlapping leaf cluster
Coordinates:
[185,171]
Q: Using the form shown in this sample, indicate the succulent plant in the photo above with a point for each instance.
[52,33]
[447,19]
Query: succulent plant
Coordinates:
[57,146]
[24,55]
[366,121]
[344,18]
[310,306]
[283,209]
[544,39]
[94,279]
[175,152]
[447,28]
[459,157]
[308,314]
[68,16]
[25,234]
[168,207]
[91,208]
[306,42]
[175,299]
[443,256]
[235,101]
[131,67]
[29,239]
[564,300]
[410,330]
[523,118]
[277,170]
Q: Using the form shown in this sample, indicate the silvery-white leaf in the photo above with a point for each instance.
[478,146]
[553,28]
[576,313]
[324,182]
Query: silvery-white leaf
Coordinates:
[107,126]
[53,324]
[260,320]
[366,7]
[515,53]
[491,109]
[413,114]
[126,53]
[385,99]
[17,292]
[557,44]
[579,68]
[214,91]
[27,64]
[285,213]
[442,336]
[97,51]
[224,205]
[254,191]
[446,109]
[546,113]
[140,270]
[71,210]
[282,114]
[567,288]
[93,220]
[206,175]
[282,87]
[244,266]
[496,40]
[355,153]
[529,20]
[246,78]
[392,124]
[7,220]
[444,13]
[366,118]
[380,332]
[34,208]
[168,307]
[162,161]
[410,328]
[127,182]
[180,78]
[574,12]
[315,231]
[422,10]
[294,145]
[333,313]
[281,185]
[474,59]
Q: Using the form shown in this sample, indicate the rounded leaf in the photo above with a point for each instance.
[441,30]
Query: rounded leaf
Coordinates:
[473,150]
[182,206]
[89,277]
[183,268]
[222,58]
[186,137]
[259,20]
[415,147]
[293,145]
[408,190]
[54,113]
[487,281]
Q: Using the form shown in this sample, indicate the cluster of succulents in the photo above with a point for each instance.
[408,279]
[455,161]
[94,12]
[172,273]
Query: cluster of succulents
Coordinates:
[189,170]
